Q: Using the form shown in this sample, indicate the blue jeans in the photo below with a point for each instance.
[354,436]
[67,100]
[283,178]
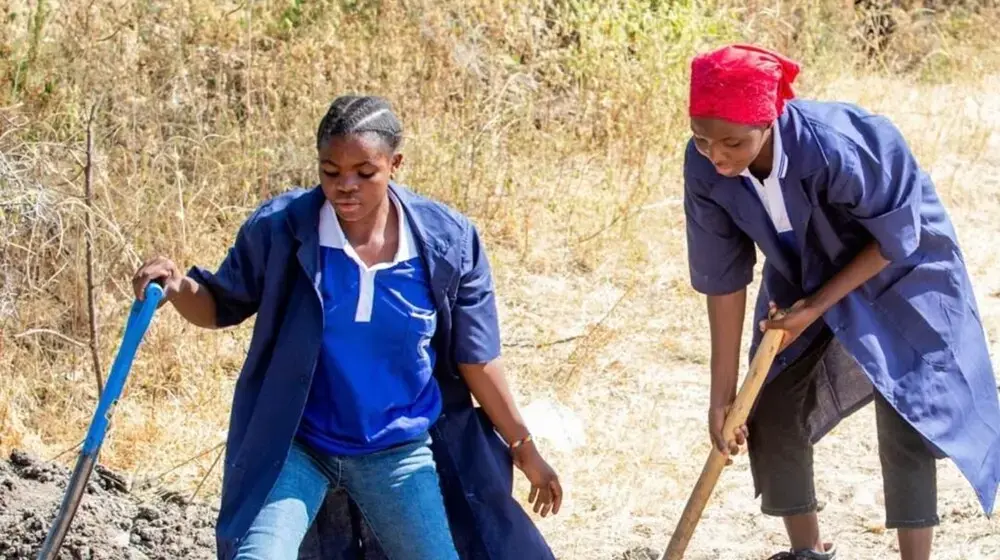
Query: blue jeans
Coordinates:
[396,490]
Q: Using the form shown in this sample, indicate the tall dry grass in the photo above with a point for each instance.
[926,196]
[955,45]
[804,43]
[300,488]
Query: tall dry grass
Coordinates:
[557,125]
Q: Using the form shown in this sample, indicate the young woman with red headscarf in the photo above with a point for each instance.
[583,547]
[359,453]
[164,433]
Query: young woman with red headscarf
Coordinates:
[862,256]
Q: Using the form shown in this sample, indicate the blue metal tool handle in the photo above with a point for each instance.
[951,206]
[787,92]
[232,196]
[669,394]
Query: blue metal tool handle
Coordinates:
[139,318]
[135,328]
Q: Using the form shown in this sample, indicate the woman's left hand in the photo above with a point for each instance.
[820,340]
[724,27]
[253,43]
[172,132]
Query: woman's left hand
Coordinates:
[546,492]
[794,322]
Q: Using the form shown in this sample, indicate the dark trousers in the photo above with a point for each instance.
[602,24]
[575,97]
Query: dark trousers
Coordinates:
[781,453]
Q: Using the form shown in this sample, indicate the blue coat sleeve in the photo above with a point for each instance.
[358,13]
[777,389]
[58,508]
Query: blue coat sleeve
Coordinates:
[721,256]
[881,188]
[238,283]
[476,328]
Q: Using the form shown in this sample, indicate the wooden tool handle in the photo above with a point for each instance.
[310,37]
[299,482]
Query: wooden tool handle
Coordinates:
[745,399]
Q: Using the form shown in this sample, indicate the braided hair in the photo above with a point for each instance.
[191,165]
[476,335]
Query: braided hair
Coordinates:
[352,114]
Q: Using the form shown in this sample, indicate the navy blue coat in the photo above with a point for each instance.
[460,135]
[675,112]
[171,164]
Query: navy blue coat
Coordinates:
[914,329]
[272,271]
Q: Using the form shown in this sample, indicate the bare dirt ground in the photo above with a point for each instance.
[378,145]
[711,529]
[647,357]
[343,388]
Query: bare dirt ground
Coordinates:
[109,524]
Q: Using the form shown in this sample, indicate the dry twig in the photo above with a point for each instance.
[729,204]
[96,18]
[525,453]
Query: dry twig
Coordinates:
[204,478]
[88,189]
[56,334]
[146,483]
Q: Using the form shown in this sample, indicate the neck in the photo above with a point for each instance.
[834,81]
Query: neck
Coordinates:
[761,165]
[363,231]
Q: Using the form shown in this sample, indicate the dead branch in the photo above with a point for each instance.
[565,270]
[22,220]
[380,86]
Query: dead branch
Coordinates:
[56,334]
[149,481]
[204,478]
[545,344]
[88,189]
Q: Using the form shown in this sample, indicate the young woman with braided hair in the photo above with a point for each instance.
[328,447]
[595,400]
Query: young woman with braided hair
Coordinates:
[375,320]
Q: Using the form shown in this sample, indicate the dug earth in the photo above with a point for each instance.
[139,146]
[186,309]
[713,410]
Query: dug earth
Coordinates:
[110,523]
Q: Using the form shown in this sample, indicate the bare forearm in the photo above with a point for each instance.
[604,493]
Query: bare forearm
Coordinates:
[725,318]
[862,268]
[488,385]
[195,303]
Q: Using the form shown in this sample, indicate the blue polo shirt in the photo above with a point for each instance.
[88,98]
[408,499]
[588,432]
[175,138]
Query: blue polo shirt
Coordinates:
[374,386]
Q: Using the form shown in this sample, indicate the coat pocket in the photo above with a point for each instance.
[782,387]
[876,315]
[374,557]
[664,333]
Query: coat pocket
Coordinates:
[420,327]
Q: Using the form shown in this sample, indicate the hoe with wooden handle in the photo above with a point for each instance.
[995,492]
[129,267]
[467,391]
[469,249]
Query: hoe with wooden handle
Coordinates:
[759,366]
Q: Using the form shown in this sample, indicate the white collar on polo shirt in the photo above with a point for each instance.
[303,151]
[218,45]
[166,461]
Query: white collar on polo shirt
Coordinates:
[332,235]
[770,190]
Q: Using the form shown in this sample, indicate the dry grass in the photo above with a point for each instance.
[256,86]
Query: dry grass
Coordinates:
[557,125]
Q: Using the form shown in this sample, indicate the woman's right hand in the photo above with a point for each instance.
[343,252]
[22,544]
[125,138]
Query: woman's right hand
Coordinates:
[722,442]
[159,269]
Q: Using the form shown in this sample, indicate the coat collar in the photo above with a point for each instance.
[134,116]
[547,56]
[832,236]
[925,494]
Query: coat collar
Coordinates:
[303,220]
[806,153]
[439,239]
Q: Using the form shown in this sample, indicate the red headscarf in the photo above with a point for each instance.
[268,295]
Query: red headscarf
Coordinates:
[742,84]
